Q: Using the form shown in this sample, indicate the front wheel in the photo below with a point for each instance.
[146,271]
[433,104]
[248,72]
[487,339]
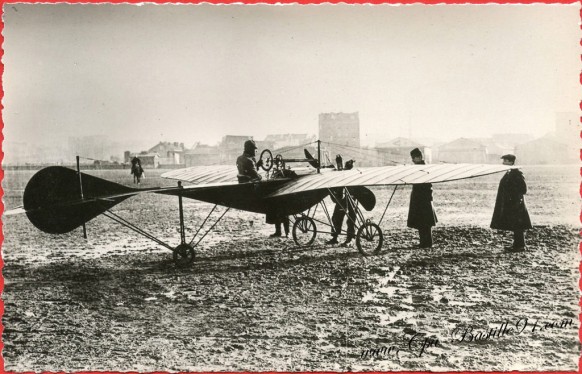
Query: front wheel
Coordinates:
[304,231]
[184,255]
[369,239]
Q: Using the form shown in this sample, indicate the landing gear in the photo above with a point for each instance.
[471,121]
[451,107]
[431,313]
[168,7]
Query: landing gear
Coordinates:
[184,255]
[369,239]
[304,231]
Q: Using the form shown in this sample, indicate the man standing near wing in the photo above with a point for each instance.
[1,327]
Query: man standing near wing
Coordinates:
[421,215]
[510,212]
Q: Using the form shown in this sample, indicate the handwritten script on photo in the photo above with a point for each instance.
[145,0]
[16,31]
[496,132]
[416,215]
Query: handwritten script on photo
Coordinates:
[417,344]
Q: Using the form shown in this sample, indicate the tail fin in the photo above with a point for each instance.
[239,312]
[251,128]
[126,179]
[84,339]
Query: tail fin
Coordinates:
[53,204]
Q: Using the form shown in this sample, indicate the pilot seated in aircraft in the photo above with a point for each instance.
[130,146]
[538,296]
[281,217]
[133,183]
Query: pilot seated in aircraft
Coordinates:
[247,165]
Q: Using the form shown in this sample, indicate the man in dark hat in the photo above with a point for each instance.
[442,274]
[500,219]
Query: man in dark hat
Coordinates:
[421,215]
[247,165]
[510,212]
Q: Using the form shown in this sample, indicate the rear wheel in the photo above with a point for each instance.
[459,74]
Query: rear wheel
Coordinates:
[184,255]
[369,239]
[304,231]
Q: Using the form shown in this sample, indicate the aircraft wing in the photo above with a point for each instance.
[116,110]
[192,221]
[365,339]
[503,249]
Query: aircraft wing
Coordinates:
[206,175]
[389,175]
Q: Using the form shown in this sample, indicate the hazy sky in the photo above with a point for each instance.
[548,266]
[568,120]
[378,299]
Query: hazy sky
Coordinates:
[196,72]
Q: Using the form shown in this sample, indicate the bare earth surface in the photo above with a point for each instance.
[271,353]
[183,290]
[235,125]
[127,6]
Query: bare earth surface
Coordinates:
[117,302]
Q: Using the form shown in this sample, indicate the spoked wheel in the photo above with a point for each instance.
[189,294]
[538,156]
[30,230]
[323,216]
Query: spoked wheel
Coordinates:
[369,239]
[184,255]
[267,160]
[304,231]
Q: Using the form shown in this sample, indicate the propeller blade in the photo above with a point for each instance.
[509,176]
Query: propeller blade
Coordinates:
[365,196]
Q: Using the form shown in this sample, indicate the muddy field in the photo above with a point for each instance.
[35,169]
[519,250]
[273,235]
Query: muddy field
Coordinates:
[117,302]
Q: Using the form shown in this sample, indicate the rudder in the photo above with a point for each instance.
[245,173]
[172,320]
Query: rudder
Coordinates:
[53,204]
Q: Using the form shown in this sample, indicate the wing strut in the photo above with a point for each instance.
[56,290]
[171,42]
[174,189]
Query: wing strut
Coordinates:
[81,190]
[387,205]
[181,209]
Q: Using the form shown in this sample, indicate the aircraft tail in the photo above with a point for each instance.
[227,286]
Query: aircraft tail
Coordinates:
[52,199]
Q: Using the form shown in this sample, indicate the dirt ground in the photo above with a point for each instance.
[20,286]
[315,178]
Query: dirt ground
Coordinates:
[116,301]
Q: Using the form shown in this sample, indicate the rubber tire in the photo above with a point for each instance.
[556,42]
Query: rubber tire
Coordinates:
[184,255]
[311,223]
[359,238]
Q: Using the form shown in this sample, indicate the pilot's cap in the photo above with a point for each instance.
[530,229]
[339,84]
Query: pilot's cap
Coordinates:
[415,153]
[508,157]
[250,146]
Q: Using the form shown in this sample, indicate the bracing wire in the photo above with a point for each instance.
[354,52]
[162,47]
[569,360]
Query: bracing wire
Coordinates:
[288,149]
[211,227]
[365,152]
[129,225]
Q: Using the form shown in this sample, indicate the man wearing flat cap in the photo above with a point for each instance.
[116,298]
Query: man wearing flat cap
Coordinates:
[246,165]
[510,212]
[421,215]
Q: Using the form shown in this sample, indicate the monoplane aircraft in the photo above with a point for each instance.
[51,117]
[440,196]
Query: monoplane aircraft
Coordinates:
[58,200]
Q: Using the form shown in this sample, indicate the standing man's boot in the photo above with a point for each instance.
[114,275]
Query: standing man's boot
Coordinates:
[425,234]
[519,241]
[277,233]
[333,240]
[348,241]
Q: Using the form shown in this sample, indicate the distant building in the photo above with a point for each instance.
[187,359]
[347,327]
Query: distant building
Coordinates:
[291,145]
[398,150]
[463,150]
[495,149]
[202,155]
[148,160]
[339,132]
[170,153]
[549,149]
[262,145]
[510,140]
[288,140]
[231,147]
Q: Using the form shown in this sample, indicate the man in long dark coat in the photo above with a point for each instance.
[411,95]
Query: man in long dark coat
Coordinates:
[510,212]
[421,215]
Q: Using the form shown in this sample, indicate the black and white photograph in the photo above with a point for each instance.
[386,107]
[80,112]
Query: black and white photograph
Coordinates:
[292,188]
